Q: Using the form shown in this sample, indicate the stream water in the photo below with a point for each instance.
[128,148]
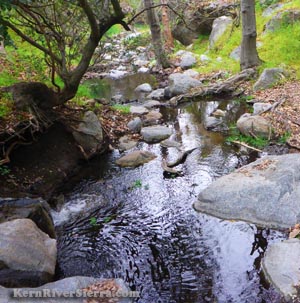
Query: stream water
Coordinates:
[137,225]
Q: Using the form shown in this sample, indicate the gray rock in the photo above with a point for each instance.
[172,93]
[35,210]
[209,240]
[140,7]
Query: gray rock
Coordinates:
[117,74]
[143,70]
[154,134]
[157,94]
[220,26]
[191,73]
[125,143]
[27,255]
[135,125]
[152,118]
[144,88]
[282,18]
[138,110]
[117,99]
[269,77]
[272,9]
[36,210]
[141,63]
[204,58]
[89,134]
[254,125]
[71,284]
[136,158]
[219,113]
[181,84]
[236,54]
[170,143]
[187,60]
[281,267]
[211,122]
[260,107]
[151,104]
[266,193]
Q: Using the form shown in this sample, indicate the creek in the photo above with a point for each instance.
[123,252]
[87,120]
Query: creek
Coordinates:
[140,226]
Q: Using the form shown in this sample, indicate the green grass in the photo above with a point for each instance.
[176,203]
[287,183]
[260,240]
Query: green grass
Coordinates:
[284,138]
[124,109]
[114,30]
[255,142]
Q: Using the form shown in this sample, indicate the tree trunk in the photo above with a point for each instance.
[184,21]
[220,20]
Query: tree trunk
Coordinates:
[169,41]
[160,54]
[249,55]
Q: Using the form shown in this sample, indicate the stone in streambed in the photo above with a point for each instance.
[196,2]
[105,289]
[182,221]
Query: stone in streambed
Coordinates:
[144,88]
[170,143]
[138,110]
[254,125]
[151,104]
[125,143]
[265,192]
[152,118]
[136,158]
[27,255]
[281,267]
[37,210]
[135,125]
[71,285]
[155,134]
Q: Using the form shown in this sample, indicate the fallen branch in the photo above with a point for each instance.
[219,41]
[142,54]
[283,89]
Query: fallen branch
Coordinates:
[228,86]
[246,145]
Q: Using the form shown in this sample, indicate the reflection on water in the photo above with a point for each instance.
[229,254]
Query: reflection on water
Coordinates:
[150,236]
[107,88]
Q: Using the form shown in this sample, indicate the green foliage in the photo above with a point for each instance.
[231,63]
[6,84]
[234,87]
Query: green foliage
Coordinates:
[267,3]
[258,142]
[93,221]
[4,170]
[284,138]
[114,30]
[137,184]
[124,109]
[134,41]
[282,47]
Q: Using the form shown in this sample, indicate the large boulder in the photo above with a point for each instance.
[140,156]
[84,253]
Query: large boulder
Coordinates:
[282,18]
[71,285]
[181,84]
[266,193]
[27,255]
[220,27]
[281,267]
[198,19]
[26,94]
[37,210]
[136,158]
[269,77]
[89,134]
[254,125]
[155,134]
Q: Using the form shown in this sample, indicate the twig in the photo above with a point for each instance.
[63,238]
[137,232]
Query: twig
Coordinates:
[246,145]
